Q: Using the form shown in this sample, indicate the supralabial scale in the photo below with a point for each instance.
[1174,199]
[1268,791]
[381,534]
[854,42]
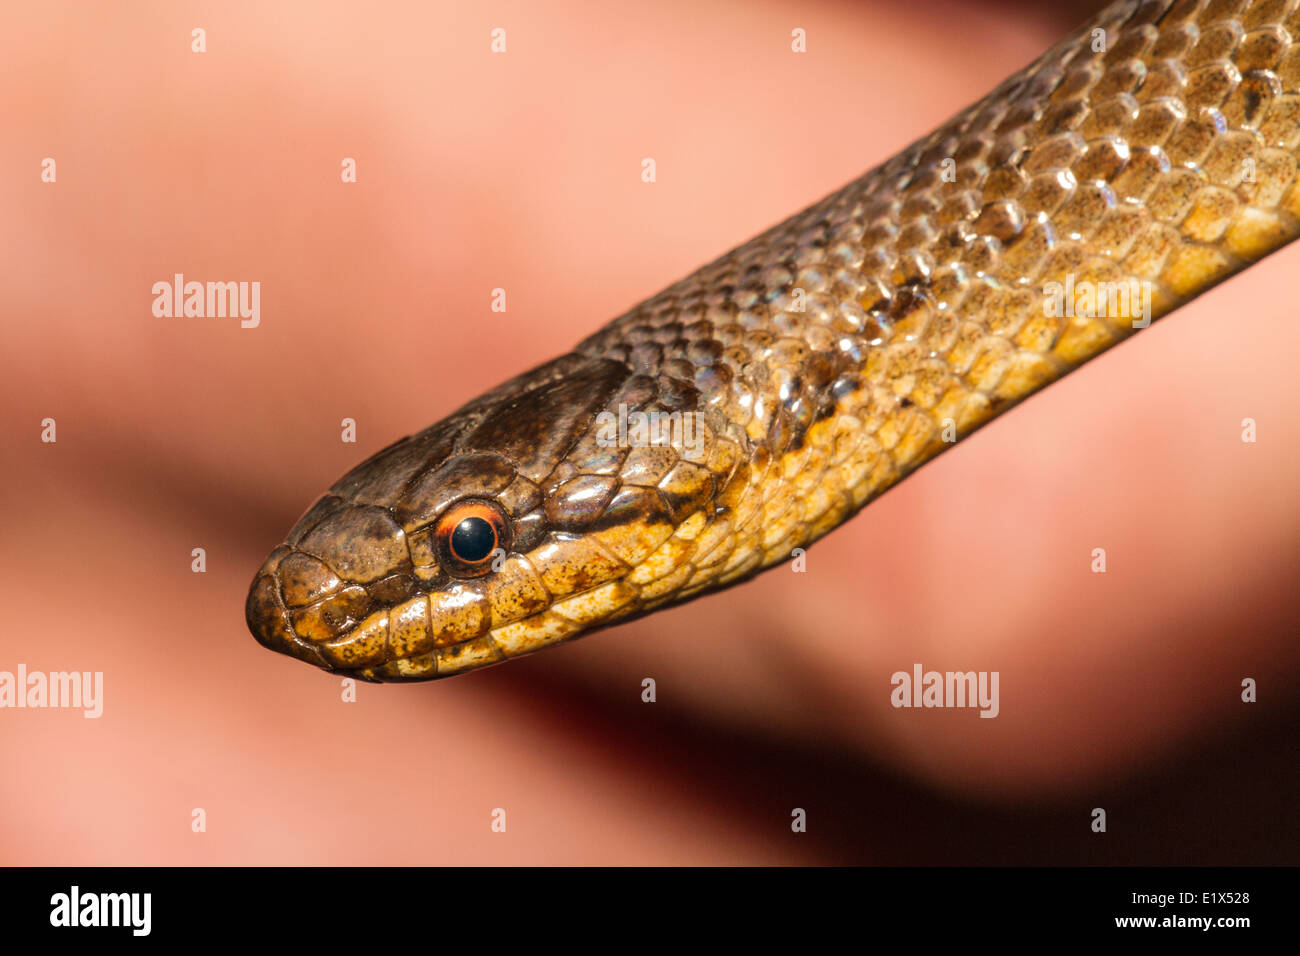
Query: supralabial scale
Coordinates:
[1153,152]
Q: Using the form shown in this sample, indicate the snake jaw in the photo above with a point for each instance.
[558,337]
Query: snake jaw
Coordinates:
[409,626]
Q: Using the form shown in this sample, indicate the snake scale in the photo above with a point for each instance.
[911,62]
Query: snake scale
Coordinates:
[753,406]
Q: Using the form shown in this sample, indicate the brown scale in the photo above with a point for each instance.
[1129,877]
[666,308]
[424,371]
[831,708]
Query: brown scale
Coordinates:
[823,361]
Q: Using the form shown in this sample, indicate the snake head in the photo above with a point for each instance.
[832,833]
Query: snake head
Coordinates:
[512,525]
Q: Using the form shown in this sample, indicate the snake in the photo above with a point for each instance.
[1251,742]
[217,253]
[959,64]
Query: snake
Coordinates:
[719,428]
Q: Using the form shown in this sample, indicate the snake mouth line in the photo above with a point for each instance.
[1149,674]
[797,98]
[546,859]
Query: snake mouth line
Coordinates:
[402,642]
[505,641]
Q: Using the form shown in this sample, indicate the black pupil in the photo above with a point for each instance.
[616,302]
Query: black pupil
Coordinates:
[473,539]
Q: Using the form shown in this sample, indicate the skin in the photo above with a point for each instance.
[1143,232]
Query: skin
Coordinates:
[1126,684]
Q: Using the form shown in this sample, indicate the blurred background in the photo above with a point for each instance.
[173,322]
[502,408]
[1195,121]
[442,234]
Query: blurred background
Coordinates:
[521,171]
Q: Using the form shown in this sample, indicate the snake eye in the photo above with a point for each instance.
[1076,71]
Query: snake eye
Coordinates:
[469,534]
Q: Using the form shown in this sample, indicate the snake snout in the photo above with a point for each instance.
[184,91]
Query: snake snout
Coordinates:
[342,562]
[268,618]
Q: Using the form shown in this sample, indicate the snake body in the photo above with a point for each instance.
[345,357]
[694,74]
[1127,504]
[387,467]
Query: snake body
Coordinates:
[1131,167]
